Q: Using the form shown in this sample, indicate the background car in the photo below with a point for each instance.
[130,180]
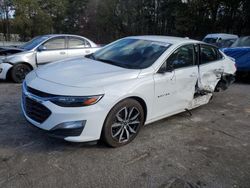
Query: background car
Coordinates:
[113,92]
[240,51]
[221,40]
[17,62]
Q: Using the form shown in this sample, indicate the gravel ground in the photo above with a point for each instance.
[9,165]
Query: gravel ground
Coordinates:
[211,148]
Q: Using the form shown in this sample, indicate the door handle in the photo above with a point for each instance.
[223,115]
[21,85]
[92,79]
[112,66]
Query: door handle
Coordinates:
[62,53]
[87,51]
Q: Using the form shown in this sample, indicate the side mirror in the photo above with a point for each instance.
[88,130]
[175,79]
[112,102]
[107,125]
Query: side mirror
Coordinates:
[169,67]
[41,48]
[162,69]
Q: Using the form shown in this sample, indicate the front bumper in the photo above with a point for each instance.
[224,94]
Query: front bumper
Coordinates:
[4,68]
[92,117]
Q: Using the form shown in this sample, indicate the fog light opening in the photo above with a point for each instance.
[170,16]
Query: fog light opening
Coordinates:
[71,125]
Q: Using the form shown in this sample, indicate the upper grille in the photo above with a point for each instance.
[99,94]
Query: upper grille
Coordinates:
[35,110]
[39,93]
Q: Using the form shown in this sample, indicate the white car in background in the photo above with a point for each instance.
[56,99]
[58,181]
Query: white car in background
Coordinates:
[113,92]
[221,40]
[17,62]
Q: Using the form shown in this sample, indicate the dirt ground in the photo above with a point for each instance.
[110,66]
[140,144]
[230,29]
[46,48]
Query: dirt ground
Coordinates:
[209,149]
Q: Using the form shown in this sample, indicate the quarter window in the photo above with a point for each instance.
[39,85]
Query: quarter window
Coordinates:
[78,43]
[182,57]
[209,54]
[55,44]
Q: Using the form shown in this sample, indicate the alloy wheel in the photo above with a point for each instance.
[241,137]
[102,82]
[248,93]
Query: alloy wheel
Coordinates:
[126,124]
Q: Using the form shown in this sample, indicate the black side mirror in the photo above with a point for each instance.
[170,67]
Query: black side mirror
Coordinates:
[162,69]
[41,48]
[169,67]
[166,67]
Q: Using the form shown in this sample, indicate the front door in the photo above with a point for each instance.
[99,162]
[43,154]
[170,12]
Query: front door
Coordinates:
[52,50]
[174,89]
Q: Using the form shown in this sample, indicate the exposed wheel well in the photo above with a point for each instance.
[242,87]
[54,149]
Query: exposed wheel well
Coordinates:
[9,71]
[138,99]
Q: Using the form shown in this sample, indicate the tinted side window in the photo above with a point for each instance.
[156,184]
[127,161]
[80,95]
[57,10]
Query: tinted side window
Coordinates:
[209,54]
[78,43]
[55,44]
[182,57]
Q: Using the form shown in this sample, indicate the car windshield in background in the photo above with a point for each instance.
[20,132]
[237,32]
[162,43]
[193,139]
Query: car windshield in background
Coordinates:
[131,53]
[242,42]
[210,40]
[225,43]
[34,42]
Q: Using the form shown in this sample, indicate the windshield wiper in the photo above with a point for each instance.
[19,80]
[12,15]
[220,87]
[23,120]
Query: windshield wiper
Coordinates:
[108,61]
[114,63]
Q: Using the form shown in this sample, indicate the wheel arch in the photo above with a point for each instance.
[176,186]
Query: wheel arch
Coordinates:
[136,98]
[13,64]
[142,103]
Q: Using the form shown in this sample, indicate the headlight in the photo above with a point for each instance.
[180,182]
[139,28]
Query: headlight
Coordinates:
[65,101]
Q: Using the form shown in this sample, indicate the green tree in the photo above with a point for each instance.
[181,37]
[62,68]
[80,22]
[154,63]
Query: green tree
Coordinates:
[6,6]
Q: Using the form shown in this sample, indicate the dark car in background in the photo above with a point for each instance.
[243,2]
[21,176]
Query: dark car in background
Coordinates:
[240,51]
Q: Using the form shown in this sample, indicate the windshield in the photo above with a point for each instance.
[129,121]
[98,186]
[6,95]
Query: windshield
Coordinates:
[225,43]
[210,40]
[34,42]
[242,42]
[131,53]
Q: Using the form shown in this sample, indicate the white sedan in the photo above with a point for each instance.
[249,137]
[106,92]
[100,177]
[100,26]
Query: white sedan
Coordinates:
[17,62]
[113,92]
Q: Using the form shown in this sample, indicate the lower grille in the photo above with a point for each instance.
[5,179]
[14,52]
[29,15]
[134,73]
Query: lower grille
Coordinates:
[35,110]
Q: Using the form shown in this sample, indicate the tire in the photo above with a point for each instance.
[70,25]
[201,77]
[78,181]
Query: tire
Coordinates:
[18,72]
[120,129]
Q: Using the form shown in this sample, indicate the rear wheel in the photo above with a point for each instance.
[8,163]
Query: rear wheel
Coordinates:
[18,72]
[123,123]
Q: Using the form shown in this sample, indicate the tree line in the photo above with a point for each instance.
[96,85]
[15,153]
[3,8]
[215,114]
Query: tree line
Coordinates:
[106,20]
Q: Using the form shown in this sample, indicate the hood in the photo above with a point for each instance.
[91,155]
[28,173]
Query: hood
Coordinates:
[241,56]
[83,72]
[9,50]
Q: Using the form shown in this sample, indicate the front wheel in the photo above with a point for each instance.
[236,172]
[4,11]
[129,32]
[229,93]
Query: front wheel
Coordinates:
[18,72]
[123,123]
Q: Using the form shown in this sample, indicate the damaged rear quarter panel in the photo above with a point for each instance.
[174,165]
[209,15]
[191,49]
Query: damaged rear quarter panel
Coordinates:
[229,66]
[210,75]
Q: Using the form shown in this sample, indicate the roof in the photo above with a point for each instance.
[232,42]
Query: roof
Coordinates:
[221,35]
[56,35]
[166,39]
[60,35]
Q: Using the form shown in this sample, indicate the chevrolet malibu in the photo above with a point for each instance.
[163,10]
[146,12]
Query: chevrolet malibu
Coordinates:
[113,92]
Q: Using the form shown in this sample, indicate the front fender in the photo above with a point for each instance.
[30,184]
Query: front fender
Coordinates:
[23,57]
[142,88]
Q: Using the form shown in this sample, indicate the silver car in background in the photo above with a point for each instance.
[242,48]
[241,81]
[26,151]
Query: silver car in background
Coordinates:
[16,62]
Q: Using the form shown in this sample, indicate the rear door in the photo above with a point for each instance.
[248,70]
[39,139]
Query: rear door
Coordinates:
[52,50]
[78,47]
[210,67]
[174,90]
